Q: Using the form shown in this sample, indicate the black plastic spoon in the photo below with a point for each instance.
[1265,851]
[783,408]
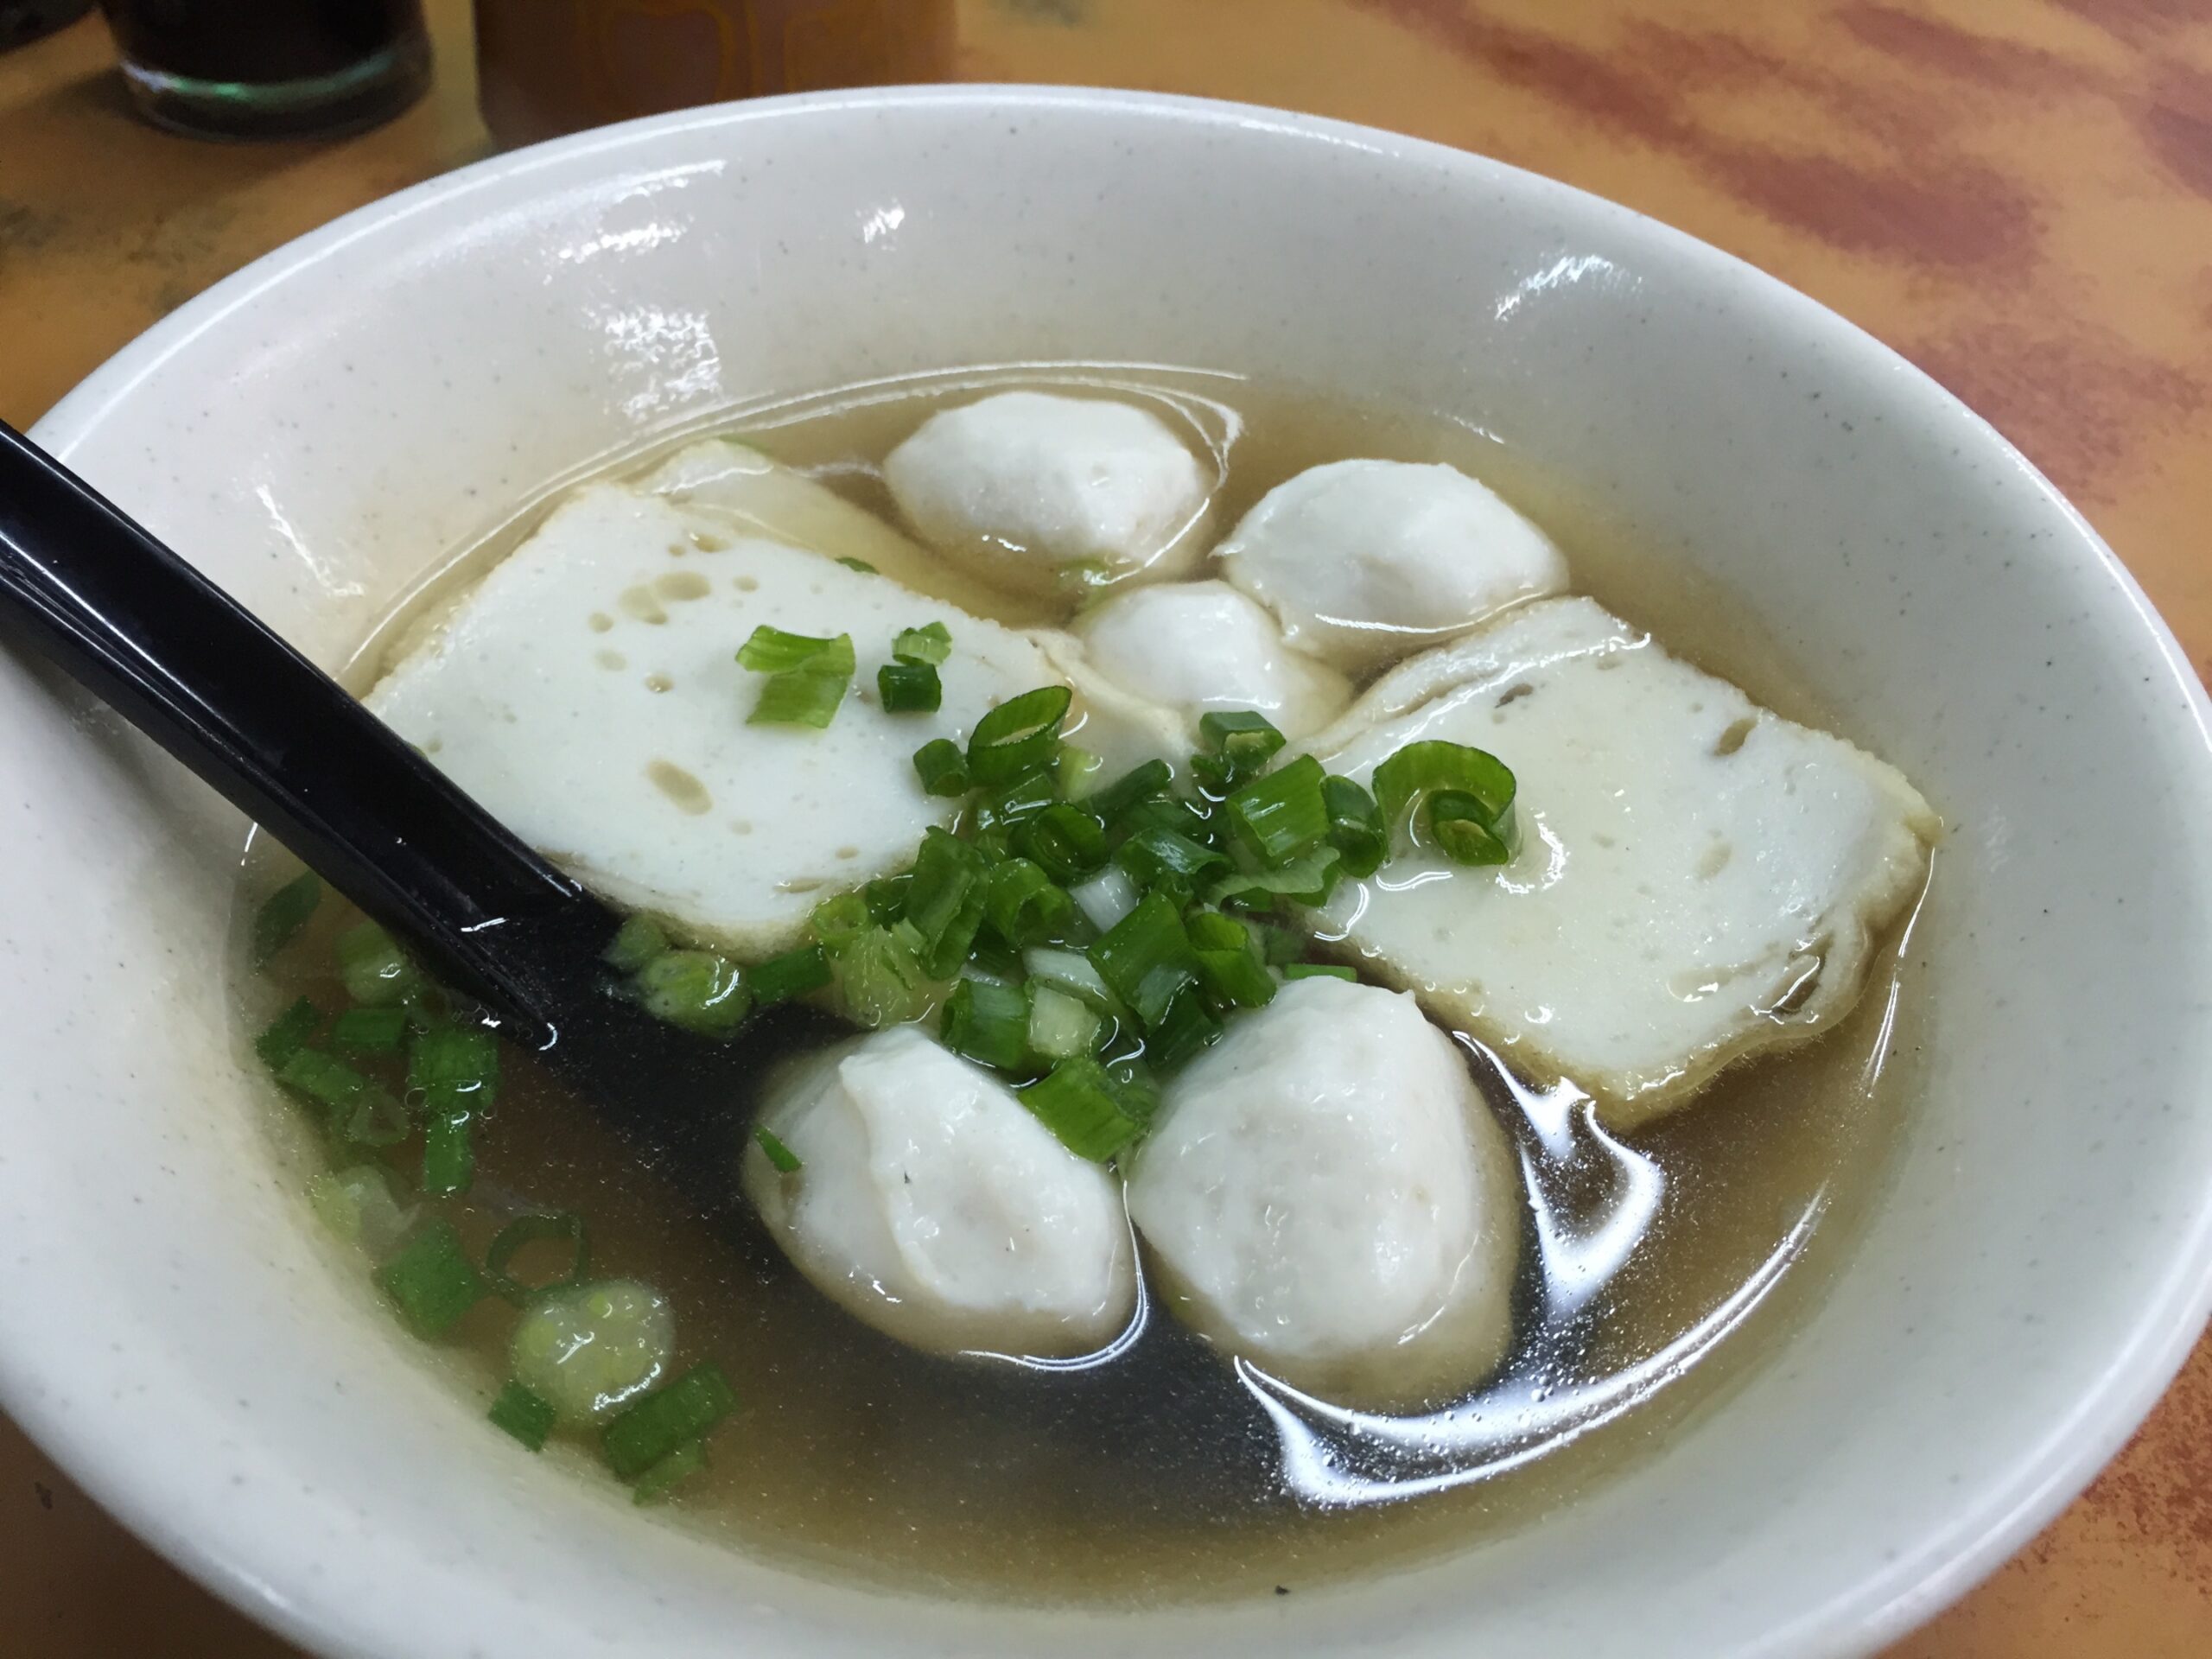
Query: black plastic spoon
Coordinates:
[105,600]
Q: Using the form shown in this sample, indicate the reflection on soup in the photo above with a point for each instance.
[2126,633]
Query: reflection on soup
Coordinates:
[1361,993]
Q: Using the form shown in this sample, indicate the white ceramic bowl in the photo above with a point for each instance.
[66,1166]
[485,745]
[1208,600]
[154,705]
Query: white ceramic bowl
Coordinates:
[316,428]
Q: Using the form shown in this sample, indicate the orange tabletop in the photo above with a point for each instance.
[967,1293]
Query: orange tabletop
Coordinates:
[2015,193]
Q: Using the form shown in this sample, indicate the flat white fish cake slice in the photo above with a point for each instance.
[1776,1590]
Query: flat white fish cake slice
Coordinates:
[587,693]
[1700,879]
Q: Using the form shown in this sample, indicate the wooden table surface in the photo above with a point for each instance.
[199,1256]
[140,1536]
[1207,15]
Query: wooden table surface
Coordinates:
[2015,193]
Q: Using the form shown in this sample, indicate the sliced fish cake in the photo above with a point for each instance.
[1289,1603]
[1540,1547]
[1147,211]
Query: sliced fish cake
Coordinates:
[587,692]
[1700,878]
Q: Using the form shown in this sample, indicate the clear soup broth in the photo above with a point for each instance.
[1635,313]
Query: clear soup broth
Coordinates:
[1655,1270]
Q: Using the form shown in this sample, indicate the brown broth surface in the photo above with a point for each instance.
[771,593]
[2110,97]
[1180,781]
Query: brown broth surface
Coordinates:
[1657,1271]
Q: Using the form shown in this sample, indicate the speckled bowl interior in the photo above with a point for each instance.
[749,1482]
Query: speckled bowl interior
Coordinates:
[318,429]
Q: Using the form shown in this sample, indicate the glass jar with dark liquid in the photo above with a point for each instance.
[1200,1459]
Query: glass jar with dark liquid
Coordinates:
[271,68]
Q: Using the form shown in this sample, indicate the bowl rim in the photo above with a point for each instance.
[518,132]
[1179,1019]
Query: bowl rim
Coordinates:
[1988,1526]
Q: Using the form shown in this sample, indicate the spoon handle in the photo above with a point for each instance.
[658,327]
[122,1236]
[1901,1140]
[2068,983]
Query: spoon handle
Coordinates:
[109,604]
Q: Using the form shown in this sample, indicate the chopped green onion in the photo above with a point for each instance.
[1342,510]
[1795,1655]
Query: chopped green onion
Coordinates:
[287,1034]
[449,1154]
[1355,826]
[637,942]
[1087,1108]
[946,903]
[1147,782]
[880,977]
[1072,974]
[1238,746]
[701,991]
[1060,1026]
[909,689]
[456,1068]
[1456,799]
[786,1161]
[1320,970]
[1147,957]
[887,897]
[1065,842]
[1229,962]
[681,1464]
[1278,945]
[1173,814]
[1156,856]
[1018,735]
[589,1349]
[839,921]
[432,1280]
[993,956]
[988,1022]
[1307,881]
[1025,906]
[378,1118]
[328,1082]
[1186,1026]
[1106,898]
[1079,770]
[375,972]
[772,650]
[358,1204]
[861,565]
[799,697]
[942,766]
[369,1031]
[792,973]
[667,1418]
[517,1236]
[1281,816]
[283,914]
[523,1415]
[1017,801]
[931,643]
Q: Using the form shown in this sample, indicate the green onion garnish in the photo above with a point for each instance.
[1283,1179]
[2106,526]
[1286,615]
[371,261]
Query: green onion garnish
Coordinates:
[1238,746]
[369,1031]
[375,972]
[1453,798]
[1307,881]
[840,919]
[942,766]
[637,942]
[330,1082]
[772,650]
[1071,973]
[1147,782]
[931,643]
[1079,770]
[1355,826]
[1186,1026]
[701,991]
[1281,816]
[785,1160]
[792,973]
[684,1411]
[886,897]
[1094,1114]
[909,689]
[988,1022]
[1230,960]
[879,973]
[519,1235]
[1061,1026]
[1320,970]
[456,1068]
[523,1415]
[449,1154]
[681,1464]
[287,1034]
[1025,905]
[861,565]
[283,914]
[946,902]
[1156,856]
[1018,735]
[1065,842]
[1147,957]
[1030,795]
[807,676]
[377,1118]
[432,1280]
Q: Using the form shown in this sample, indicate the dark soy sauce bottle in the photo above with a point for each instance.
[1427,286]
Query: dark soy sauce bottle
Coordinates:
[270,68]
